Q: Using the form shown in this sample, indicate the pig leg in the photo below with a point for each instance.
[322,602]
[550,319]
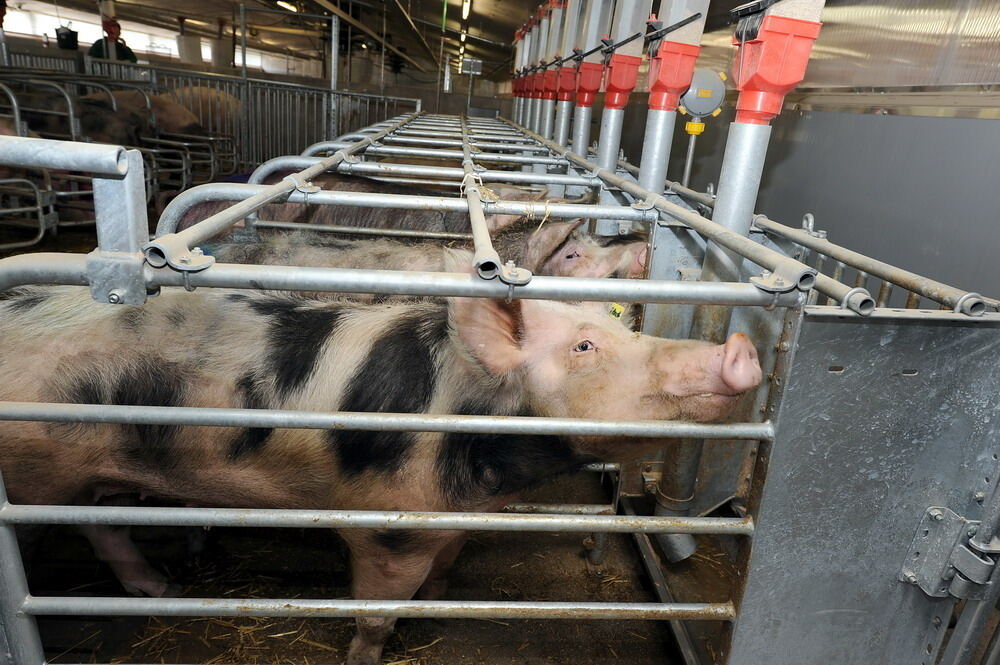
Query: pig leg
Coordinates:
[436,584]
[380,574]
[114,546]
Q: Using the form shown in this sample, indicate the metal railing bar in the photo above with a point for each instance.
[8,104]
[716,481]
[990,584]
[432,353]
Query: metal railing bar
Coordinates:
[441,609]
[281,518]
[376,421]
[959,300]
[363,230]
[344,280]
[486,261]
[97,158]
[297,162]
[178,207]
[456,155]
[71,269]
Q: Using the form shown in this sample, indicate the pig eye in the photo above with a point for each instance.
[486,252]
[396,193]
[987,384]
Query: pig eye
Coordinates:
[573,255]
[585,345]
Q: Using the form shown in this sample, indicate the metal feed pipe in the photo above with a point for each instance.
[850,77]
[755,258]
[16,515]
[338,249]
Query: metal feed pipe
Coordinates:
[486,261]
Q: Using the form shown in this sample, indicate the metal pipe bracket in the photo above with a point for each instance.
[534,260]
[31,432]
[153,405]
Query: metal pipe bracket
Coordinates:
[171,250]
[117,278]
[301,185]
[787,275]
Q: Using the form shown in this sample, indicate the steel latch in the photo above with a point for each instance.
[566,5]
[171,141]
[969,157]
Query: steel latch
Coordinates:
[941,559]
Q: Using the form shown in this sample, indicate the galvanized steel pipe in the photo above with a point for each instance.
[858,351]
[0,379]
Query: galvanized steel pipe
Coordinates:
[181,203]
[97,158]
[428,609]
[958,300]
[376,421]
[343,280]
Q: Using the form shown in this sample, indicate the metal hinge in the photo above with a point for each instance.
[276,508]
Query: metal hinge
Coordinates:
[942,560]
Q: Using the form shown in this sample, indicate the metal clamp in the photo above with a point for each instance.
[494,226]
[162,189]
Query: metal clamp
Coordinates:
[787,275]
[116,277]
[513,276]
[301,185]
[171,250]
[971,304]
[858,300]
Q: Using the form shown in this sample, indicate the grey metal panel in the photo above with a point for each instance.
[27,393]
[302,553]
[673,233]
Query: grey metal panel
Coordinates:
[894,43]
[862,449]
[916,192]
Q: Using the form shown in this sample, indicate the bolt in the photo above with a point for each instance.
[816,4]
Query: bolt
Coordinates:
[936,515]
[114,297]
[784,346]
[198,251]
[979,497]
[911,578]
[972,531]
[936,621]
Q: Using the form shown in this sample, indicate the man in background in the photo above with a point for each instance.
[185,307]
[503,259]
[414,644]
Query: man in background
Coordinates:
[101,48]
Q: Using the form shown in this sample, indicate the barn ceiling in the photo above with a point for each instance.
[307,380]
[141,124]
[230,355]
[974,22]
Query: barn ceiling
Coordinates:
[490,26]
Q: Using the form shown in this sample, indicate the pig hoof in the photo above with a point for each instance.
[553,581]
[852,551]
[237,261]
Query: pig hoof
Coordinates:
[152,588]
[362,652]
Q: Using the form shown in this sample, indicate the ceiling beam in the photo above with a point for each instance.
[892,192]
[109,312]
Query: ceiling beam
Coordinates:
[416,31]
[334,9]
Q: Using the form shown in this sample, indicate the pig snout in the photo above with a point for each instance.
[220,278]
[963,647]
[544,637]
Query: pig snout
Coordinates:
[740,369]
[713,370]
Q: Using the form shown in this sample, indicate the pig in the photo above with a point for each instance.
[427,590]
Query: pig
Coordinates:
[169,116]
[219,348]
[98,121]
[214,108]
[552,248]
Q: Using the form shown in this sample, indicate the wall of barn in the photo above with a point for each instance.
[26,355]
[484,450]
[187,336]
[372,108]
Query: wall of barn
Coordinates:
[916,191]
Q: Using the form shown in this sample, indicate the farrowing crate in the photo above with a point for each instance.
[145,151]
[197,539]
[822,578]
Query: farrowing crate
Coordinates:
[871,467]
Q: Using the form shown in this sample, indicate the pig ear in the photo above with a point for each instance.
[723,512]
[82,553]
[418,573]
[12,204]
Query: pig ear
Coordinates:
[546,240]
[490,331]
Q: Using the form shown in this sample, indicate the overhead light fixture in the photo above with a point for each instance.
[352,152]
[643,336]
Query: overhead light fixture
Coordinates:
[287,5]
[466,8]
[463,37]
[461,50]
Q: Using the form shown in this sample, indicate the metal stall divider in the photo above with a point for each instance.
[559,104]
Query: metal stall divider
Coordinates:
[807,345]
[118,273]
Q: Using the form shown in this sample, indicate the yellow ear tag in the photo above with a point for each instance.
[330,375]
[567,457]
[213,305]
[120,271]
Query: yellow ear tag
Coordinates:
[615,311]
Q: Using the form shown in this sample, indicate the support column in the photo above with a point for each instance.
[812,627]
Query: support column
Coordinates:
[773,53]
[622,73]
[771,60]
[19,640]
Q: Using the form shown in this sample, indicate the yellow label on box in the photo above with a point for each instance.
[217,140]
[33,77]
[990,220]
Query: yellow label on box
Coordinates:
[704,93]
